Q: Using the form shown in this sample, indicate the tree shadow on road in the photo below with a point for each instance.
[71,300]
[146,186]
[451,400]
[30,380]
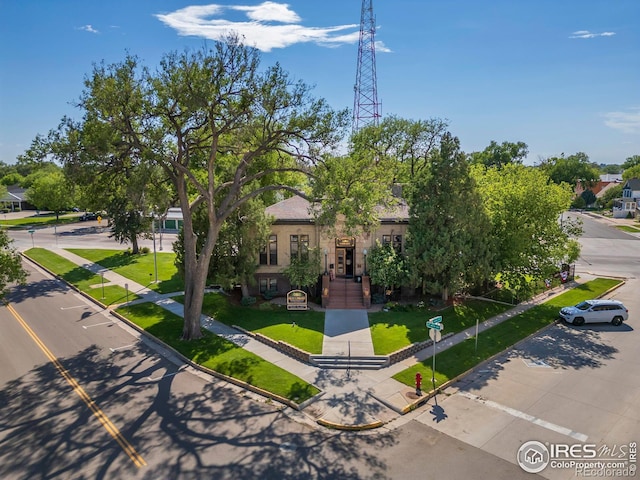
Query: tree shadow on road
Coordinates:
[189,429]
[559,346]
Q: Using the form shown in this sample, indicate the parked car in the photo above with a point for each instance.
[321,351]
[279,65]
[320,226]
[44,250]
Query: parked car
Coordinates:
[594,311]
[88,216]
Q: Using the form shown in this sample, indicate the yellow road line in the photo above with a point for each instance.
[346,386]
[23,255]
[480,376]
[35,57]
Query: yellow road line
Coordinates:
[104,420]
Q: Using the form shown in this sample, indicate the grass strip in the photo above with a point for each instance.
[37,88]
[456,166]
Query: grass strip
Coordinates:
[218,354]
[138,268]
[462,357]
[391,331]
[80,277]
[42,220]
[628,228]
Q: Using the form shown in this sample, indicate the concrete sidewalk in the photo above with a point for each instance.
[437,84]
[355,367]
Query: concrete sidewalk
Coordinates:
[350,399]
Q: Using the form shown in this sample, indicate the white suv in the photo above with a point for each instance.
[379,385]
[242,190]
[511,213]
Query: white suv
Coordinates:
[593,311]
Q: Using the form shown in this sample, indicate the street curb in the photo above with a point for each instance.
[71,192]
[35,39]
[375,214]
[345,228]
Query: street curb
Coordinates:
[351,428]
[187,361]
[418,403]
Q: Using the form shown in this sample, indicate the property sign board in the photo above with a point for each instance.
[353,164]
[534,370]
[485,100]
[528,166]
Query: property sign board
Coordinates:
[296,300]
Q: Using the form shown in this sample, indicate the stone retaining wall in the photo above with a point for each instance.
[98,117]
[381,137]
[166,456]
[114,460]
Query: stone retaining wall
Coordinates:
[279,345]
[411,350]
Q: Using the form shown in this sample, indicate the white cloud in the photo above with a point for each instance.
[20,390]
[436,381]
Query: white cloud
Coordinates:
[88,28]
[269,25]
[627,122]
[588,34]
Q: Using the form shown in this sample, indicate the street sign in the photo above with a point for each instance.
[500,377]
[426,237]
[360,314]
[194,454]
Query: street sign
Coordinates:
[435,335]
[437,319]
[435,326]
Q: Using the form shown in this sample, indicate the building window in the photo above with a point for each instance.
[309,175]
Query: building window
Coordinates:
[268,285]
[269,253]
[394,240]
[299,246]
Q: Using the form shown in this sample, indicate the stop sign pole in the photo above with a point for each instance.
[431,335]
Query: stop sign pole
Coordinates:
[435,326]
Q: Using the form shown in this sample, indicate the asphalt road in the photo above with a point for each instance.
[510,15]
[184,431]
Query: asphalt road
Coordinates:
[85,397]
[566,385]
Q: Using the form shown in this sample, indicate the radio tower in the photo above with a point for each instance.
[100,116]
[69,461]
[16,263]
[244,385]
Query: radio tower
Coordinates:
[365,103]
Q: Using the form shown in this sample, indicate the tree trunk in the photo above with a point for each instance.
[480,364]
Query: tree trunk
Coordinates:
[196,266]
[135,248]
[193,299]
[244,288]
[445,294]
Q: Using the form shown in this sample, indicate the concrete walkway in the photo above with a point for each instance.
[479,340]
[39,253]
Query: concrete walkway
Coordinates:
[351,398]
[347,333]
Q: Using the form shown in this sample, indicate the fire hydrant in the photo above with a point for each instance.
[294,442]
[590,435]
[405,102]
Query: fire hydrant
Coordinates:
[418,383]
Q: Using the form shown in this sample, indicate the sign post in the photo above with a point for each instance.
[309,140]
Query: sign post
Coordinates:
[435,327]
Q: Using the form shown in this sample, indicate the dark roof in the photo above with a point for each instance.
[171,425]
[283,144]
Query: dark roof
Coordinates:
[291,209]
[14,194]
[633,184]
[297,209]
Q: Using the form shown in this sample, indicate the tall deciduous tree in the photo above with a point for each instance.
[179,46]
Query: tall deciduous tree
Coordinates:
[408,143]
[217,125]
[525,211]
[449,239]
[51,191]
[233,261]
[631,161]
[574,169]
[500,155]
[631,172]
[11,270]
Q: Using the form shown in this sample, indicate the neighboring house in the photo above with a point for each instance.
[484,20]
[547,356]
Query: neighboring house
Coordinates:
[628,204]
[294,230]
[611,177]
[599,188]
[15,199]
[172,221]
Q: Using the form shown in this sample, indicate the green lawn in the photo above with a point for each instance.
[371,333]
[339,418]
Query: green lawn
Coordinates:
[391,331]
[138,268]
[270,320]
[462,357]
[42,220]
[80,277]
[219,354]
[628,228]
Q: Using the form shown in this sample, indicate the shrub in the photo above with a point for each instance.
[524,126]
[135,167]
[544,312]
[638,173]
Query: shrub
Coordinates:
[269,294]
[247,301]
[378,298]
[144,250]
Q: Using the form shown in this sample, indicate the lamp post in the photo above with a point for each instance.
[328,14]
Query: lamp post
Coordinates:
[102,275]
[326,252]
[365,261]
[155,257]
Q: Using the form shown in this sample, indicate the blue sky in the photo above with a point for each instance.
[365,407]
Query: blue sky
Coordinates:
[562,76]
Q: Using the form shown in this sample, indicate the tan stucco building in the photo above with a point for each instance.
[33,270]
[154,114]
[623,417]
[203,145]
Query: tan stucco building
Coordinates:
[343,256]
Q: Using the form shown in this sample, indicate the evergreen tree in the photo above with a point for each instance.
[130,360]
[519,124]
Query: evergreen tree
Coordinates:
[449,241]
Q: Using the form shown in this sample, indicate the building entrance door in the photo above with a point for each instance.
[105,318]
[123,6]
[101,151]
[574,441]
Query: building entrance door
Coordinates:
[344,262]
[340,261]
